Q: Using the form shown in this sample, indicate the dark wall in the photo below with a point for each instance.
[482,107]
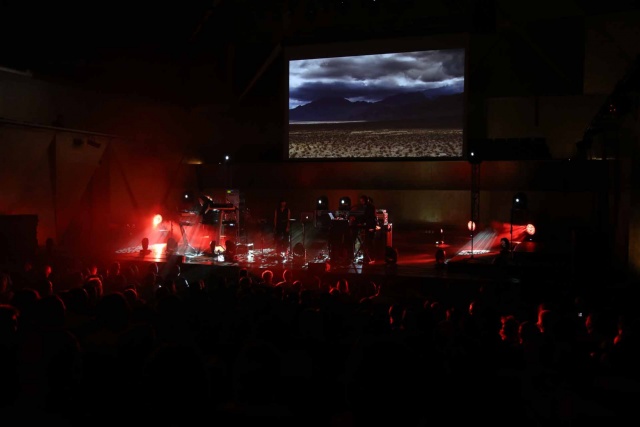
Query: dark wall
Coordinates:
[425,192]
[18,238]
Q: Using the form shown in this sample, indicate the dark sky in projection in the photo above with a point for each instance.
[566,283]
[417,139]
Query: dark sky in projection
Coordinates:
[374,77]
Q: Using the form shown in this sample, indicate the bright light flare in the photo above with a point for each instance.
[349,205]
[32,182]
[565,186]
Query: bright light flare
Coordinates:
[471,226]
[474,252]
[482,243]
[531,229]
[157,219]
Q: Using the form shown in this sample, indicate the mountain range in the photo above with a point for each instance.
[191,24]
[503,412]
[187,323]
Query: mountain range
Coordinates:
[423,105]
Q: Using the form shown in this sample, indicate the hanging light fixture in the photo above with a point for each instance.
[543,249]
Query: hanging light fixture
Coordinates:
[345,203]
[322,203]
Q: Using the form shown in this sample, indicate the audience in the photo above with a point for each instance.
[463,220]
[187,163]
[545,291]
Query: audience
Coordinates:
[119,343]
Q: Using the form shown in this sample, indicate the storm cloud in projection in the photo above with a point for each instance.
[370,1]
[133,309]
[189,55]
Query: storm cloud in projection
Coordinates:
[392,105]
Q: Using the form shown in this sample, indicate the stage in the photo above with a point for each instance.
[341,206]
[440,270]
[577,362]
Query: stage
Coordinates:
[411,254]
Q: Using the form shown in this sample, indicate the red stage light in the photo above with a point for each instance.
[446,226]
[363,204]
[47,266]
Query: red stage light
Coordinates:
[531,229]
[157,220]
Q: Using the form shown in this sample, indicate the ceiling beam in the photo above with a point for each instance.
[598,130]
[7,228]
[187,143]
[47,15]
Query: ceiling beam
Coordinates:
[265,65]
[205,18]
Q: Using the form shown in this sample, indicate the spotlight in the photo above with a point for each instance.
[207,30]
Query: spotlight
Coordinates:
[187,196]
[474,157]
[157,219]
[530,230]
[322,203]
[345,204]
[520,201]
[471,226]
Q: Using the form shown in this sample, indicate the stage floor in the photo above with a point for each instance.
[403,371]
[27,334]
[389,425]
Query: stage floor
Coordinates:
[416,250]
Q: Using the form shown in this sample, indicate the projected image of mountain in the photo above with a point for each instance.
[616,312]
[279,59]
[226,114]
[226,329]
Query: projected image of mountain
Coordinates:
[408,104]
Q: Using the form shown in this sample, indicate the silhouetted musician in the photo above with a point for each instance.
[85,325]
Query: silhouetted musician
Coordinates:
[206,212]
[281,227]
[364,223]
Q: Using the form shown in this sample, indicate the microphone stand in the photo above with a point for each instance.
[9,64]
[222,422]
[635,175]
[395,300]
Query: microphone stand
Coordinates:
[290,254]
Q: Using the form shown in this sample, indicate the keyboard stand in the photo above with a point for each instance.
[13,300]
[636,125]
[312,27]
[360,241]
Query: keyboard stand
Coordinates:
[187,249]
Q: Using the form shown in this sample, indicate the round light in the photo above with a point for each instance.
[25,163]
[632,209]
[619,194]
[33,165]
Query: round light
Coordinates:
[531,229]
[319,201]
[157,220]
[471,226]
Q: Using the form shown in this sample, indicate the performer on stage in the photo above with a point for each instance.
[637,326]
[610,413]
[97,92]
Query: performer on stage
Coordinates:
[354,231]
[207,215]
[281,227]
[368,222]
